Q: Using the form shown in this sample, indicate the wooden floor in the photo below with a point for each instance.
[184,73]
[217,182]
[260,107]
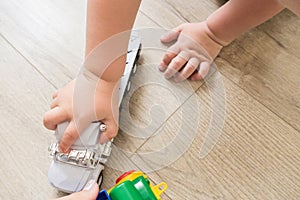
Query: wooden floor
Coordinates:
[257,155]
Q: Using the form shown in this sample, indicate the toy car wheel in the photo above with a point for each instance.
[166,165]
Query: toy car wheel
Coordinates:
[100,179]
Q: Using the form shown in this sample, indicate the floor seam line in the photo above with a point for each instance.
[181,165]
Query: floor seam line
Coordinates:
[27,60]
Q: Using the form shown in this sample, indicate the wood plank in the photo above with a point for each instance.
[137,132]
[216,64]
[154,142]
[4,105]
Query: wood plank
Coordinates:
[50,34]
[283,30]
[151,101]
[256,157]
[25,96]
[266,69]
[169,14]
[194,11]
[161,13]
[143,21]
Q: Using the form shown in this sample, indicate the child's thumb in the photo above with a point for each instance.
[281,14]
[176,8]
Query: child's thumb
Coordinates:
[170,36]
[90,186]
[89,192]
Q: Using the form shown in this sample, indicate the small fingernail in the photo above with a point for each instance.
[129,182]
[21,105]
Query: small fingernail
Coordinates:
[89,185]
[168,76]
[163,36]
[176,80]
[63,149]
[161,68]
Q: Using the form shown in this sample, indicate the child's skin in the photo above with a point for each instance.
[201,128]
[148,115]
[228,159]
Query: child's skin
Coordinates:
[220,28]
[90,192]
[102,22]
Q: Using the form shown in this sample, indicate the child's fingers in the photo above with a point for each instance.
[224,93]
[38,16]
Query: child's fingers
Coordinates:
[54,95]
[71,134]
[176,64]
[54,117]
[54,103]
[188,70]
[170,36]
[167,58]
[171,53]
[90,192]
[202,72]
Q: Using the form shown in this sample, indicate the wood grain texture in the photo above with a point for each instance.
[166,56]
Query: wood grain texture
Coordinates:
[44,33]
[256,157]
[25,96]
[267,68]
[150,103]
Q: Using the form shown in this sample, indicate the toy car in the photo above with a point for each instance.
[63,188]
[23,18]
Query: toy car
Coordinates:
[69,172]
[133,185]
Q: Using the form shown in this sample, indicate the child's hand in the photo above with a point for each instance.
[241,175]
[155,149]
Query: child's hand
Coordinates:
[80,105]
[90,192]
[192,53]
